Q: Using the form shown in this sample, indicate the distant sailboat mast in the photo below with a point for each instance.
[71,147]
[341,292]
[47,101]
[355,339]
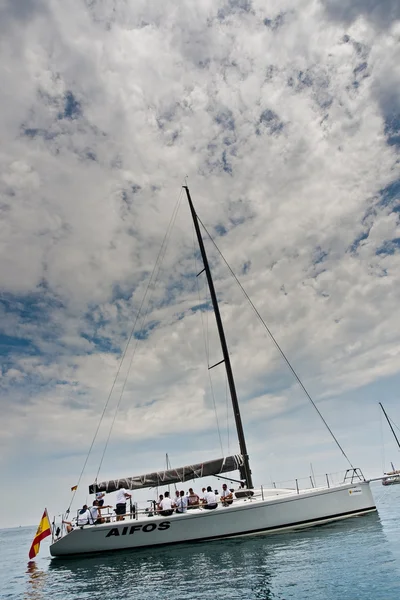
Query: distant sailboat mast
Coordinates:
[245,471]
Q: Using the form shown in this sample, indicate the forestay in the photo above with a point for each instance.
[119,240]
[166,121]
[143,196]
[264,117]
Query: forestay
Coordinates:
[159,478]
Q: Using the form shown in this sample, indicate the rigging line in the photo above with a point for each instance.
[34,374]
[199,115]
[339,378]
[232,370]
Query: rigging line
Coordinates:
[206,345]
[152,282]
[393,423]
[382,441]
[227,414]
[278,347]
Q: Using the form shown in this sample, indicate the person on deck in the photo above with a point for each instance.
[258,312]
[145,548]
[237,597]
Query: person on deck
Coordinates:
[193,499]
[158,504]
[203,495]
[167,506]
[69,526]
[226,495]
[120,508]
[182,503]
[84,516]
[100,498]
[210,499]
[177,496]
[95,513]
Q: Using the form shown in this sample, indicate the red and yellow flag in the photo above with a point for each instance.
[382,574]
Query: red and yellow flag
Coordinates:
[43,531]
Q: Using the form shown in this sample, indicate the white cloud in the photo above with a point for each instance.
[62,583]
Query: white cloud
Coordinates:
[284,118]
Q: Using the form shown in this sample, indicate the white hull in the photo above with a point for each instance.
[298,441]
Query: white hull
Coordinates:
[280,510]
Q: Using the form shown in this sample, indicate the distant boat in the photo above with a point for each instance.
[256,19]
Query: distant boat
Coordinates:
[391,477]
[252,511]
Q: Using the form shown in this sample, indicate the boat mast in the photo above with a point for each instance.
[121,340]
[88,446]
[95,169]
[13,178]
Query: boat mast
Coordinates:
[245,471]
[390,425]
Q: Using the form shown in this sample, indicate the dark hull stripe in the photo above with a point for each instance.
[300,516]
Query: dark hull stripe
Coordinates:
[320,520]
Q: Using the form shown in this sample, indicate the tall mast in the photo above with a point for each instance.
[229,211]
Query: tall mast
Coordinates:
[390,425]
[245,472]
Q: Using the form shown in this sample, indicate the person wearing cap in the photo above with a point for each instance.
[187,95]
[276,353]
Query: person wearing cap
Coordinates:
[84,516]
[226,495]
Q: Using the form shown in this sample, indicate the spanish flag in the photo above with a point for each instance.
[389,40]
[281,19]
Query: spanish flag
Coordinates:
[43,531]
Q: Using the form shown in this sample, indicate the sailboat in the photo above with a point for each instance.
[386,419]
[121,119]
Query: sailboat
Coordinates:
[253,511]
[391,477]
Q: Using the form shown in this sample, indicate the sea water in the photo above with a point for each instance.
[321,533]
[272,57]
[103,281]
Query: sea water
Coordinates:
[356,559]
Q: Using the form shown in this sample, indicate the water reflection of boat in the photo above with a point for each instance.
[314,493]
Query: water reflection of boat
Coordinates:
[252,511]
[391,477]
[36,580]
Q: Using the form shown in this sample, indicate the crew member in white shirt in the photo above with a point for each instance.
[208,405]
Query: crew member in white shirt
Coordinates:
[203,495]
[120,508]
[84,516]
[166,506]
[94,513]
[226,496]
[210,499]
[182,503]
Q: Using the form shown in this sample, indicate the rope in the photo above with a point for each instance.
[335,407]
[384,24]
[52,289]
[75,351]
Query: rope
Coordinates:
[382,440]
[152,282]
[393,423]
[227,415]
[164,242]
[206,345]
[278,347]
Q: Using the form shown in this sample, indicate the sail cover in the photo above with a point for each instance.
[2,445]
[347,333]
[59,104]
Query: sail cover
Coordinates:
[159,478]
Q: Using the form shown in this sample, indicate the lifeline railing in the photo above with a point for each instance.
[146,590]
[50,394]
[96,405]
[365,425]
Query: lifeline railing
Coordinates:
[325,480]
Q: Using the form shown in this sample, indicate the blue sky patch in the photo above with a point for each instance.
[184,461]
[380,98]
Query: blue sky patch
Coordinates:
[389,247]
[390,196]
[269,121]
[319,255]
[72,108]
[37,132]
[233,7]
[15,345]
[225,119]
[392,130]
[144,333]
[202,307]
[363,236]
[276,22]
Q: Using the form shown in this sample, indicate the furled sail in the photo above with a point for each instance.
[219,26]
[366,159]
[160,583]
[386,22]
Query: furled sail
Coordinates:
[159,478]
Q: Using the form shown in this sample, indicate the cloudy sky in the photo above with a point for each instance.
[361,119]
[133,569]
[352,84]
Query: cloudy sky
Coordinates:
[285,118]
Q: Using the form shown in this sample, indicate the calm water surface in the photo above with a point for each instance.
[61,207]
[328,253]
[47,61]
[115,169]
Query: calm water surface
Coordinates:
[358,559]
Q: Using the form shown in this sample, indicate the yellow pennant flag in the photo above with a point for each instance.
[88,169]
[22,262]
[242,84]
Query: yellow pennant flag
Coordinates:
[43,531]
